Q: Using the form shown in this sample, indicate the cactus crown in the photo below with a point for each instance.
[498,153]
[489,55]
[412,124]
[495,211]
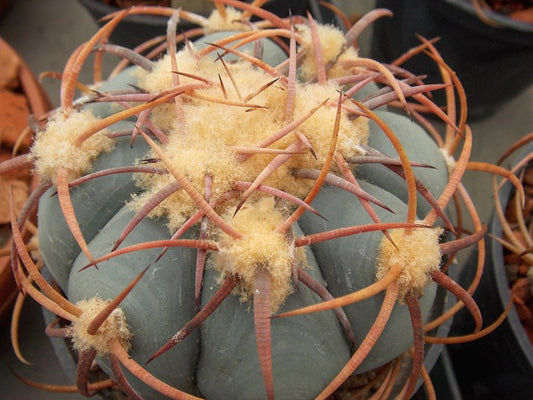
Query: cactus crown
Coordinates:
[221,121]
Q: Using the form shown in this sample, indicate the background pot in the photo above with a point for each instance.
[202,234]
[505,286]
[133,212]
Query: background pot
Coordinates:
[28,98]
[136,29]
[500,365]
[494,64]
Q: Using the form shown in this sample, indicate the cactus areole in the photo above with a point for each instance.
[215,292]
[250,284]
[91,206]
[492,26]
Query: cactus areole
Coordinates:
[249,173]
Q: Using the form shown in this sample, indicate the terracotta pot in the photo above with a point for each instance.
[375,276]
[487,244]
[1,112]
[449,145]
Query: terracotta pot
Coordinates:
[28,97]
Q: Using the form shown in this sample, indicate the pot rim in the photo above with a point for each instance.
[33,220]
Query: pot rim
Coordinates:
[98,7]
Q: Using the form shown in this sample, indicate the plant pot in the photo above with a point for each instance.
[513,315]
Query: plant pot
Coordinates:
[494,64]
[499,365]
[23,96]
[137,29]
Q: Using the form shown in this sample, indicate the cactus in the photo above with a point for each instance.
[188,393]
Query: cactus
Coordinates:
[250,216]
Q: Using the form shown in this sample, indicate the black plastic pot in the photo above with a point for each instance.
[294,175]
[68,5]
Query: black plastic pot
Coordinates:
[500,365]
[494,64]
[136,29]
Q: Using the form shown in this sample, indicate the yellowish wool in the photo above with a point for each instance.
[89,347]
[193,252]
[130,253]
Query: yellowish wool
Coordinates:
[203,146]
[418,253]
[337,69]
[319,127]
[114,327]
[161,77]
[448,159]
[332,44]
[200,144]
[260,247]
[218,23]
[54,147]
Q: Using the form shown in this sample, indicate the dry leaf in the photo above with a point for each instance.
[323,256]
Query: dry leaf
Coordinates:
[14,114]
[20,195]
[9,69]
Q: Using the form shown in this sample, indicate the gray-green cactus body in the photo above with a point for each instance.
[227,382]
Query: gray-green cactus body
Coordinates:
[307,351]
[220,359]
[94,203]
[348,263]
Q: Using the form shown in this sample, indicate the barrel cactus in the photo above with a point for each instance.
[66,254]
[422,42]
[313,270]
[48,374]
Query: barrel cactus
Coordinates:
[250,216]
